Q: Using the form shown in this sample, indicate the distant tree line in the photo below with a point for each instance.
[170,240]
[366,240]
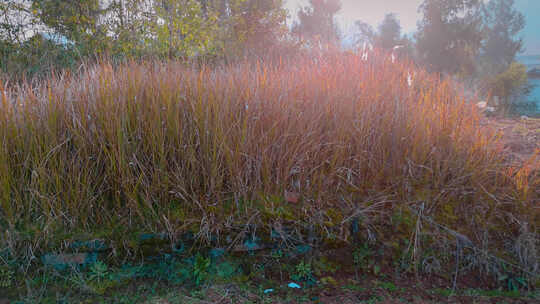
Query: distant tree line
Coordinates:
[464,38]
[39,34]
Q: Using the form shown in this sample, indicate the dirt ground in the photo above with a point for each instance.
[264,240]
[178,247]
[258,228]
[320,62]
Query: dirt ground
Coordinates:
[415,295]
[520,138]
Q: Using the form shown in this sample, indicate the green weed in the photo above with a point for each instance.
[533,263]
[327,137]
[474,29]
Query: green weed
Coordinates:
[6,277]
[200,269]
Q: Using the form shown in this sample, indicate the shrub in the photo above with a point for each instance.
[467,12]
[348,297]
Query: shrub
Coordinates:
[509,83]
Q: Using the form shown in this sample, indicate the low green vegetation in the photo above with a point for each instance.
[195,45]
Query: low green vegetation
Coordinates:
[509,83]
[175,279]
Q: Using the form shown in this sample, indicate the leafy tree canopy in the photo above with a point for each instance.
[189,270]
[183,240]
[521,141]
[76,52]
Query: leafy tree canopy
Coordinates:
[502,25]
[450,34]
[317,21]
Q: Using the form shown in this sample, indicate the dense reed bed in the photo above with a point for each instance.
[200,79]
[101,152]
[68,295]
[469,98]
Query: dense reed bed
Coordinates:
[317,143]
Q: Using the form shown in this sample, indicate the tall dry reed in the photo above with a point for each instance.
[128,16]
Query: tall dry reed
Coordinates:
[213,150]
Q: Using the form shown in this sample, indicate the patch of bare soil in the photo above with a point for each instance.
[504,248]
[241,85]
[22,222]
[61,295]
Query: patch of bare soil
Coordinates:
[520,139]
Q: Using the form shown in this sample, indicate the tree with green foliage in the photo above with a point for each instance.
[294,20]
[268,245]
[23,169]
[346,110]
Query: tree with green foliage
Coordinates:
[386,37]
[502,24]
[129,26]
[27,45]
[509,84]
[365,33]
[79,21]
[497,70]
[57,33]
[181,29]
[316,22]
[389,32]
[252,25]
[449,35]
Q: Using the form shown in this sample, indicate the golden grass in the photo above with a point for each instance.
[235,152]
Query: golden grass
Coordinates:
[167,147]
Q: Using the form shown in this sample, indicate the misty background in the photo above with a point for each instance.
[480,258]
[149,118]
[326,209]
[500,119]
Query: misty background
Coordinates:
[488,45]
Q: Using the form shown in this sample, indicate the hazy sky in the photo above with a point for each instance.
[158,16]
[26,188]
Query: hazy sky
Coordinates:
[531,34]
[373,11]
